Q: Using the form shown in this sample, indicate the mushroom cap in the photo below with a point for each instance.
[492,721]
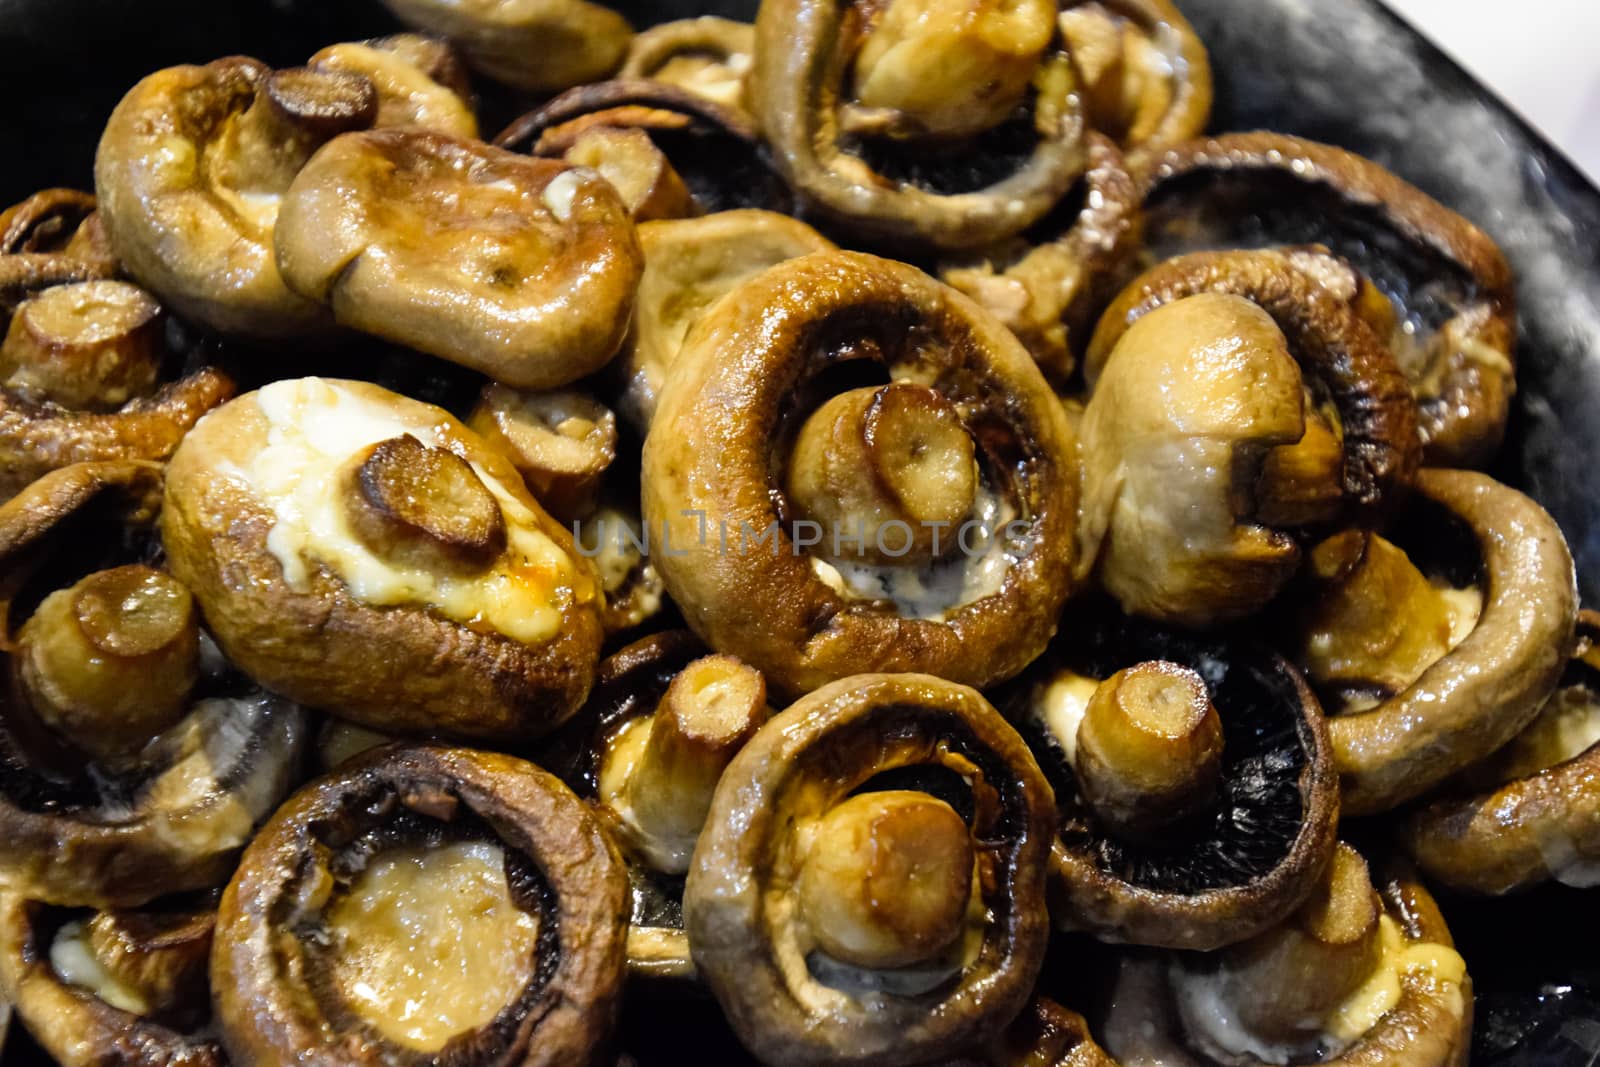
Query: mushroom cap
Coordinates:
[418,81]
[708,55]
[521,268]
[202,246]
[540,46]
[719,420]
[740,915]
[303,627]
[1233,871]
[273,1001]
[1485,690]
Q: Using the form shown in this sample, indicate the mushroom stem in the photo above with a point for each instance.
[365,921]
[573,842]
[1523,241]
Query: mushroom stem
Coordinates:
[1301,484]
[109,662]
[92,345]
[887,472]
[423,507]
[710,710]
[1149,749]
[887,879]
[294,113]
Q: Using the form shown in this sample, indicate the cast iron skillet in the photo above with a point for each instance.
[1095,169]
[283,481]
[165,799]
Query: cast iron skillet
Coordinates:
[1344,71]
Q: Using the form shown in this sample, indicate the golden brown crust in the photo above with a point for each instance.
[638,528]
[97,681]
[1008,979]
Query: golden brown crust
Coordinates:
[742,929]
[710,447]
[1493,683]
[435,675]
[267,1006]
[1464,404]
[541,46]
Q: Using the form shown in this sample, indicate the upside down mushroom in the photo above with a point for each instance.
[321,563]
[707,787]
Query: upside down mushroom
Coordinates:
[365,519]
[708,55]
[1422,679]
[423,903]
[1234,403]
[540,46]
[521,268]
[921,521]
[191,173]
[1356,977]
[869,886]
[561,443]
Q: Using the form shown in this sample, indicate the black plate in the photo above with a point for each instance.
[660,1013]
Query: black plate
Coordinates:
[1343,71]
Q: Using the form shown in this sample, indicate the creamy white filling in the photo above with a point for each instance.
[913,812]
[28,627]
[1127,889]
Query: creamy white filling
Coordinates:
[76,965]
[1059,705]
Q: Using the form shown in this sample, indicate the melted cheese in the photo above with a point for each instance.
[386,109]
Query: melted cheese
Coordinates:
[429,943]
[315,429]
[76,965]
[1060,705]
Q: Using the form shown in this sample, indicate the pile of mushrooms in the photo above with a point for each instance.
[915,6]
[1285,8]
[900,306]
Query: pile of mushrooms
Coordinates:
[862,545]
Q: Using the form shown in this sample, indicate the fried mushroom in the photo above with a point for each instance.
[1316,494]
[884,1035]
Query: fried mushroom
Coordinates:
[54,237]
[367,520]
[1428,707]
[1194,779]
[738,471]
[521,268]
[1437,288]
[841,908]
[91,345]
[1234,402]
[540,46]
[708,55]
[419,81]
[421,903]
[1354,978]
[639,171]
[191,173]
[560,442]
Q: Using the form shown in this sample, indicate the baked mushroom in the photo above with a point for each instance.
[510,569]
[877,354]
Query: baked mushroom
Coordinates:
[191,173]
[91,345]
[869,887]
[717,151]
[1354,978]
[1047,292]
[365,520]
[639,171]
[541,46]
[1142,69]
[921,519]
[419,81]
[1194,778]
[1424,674]
[129,772]
[560,442]
[688,265]
[867,139]
[1530,813]
[423,903]
[1437,288]
[124,987]
[1234,402]
[708,55]
[521,268]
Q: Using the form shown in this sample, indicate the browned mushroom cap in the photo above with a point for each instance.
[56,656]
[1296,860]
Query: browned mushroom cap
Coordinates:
[121,987]
[1409,1003]
[482,636]
[191,172]
[1491,684]
[1530,813]
[1143,71]
[688,265]
[561,443]
[955,162]
[1452,323]
[1259,828]
[717,150]
[419,81]
[38,438]
[708,55]
[423,902]
[91,345]
[1234,402]
[802,910]
[541,46]
[639,171]
[800,601]
[1047,293]
[521,268]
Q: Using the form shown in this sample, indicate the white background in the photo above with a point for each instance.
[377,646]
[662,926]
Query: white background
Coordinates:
[1542,56]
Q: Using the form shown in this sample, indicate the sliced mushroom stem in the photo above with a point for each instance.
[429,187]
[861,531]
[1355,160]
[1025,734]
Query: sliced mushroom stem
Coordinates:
[293,114]
[887,879]
[986,53]
[1376,622]
[708,713]
[561,442]
[422,506]
[93,345]
[1149,749]
[637,169]
[109,662]
[885,471]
